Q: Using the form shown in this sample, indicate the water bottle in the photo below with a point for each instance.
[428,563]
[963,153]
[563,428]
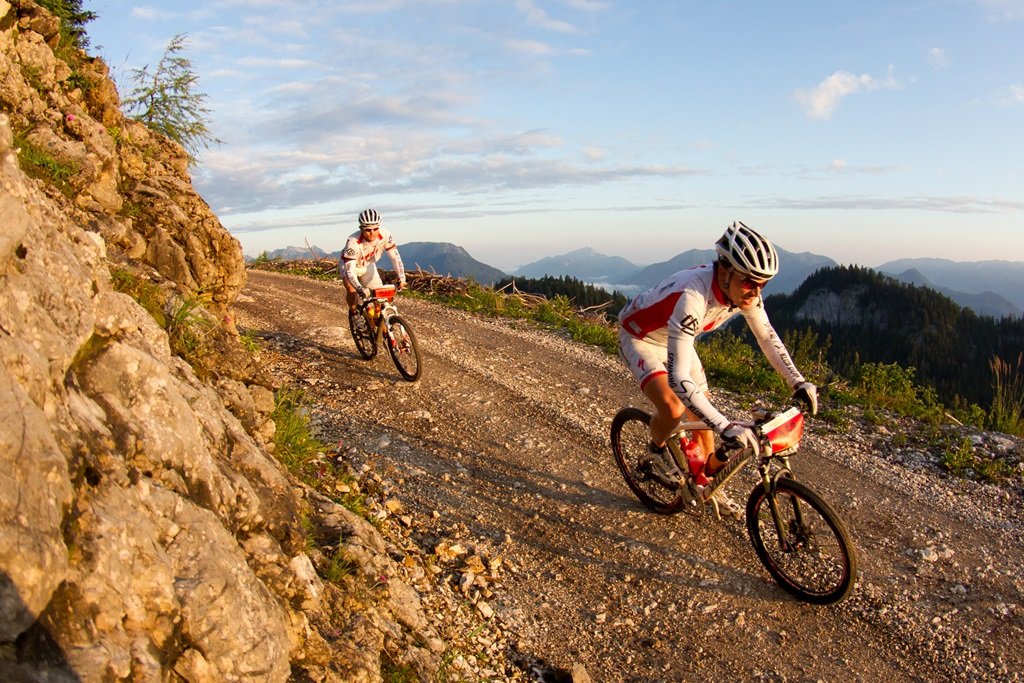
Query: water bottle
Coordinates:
[694,455]
[695,460]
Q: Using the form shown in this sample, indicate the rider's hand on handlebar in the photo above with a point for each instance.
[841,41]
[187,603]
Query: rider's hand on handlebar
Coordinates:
[363,293]
[400,286]
[807,393]
[743,436]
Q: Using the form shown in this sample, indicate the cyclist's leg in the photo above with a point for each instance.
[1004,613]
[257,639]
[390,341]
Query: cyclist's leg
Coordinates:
[668,409]
[371,279]
[647,363]
[351,297]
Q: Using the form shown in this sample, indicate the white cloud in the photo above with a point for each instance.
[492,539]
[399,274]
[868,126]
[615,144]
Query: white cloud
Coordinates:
[1004,10]
[840,165]
[587,5]
[1014,94]
[535,15]
[530,47]
[939,58]
[151,13]
[822,101]
[954,204]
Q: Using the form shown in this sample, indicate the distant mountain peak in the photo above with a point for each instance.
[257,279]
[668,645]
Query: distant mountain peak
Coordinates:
[584,263]
[915,277]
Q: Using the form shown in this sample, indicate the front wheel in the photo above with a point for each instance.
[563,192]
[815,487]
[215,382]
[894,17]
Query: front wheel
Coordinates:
[631,432]
[362,335]
[802,542]
[403,349]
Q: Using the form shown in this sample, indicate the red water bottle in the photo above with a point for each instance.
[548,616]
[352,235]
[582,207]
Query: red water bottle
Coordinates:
[695,459]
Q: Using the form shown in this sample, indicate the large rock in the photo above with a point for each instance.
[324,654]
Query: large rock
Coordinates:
[141,527]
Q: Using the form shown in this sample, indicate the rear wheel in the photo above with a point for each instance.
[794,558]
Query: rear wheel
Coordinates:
[365,340]
[631,433]
[403,349]
[808,550]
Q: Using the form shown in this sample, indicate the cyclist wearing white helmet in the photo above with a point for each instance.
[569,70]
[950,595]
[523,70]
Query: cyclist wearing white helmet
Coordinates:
[659,327]
[358,263]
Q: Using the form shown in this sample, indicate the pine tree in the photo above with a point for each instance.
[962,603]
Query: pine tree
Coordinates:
[166,100]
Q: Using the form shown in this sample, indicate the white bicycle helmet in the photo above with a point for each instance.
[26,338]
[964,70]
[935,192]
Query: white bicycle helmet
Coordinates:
[369,217]
[748,252]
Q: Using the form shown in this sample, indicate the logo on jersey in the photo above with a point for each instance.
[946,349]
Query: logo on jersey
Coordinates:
[689,325]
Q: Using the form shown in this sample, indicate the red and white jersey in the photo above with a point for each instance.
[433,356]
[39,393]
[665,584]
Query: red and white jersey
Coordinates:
[359,258]
[684,305]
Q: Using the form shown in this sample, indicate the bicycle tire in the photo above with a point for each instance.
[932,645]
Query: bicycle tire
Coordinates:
[404,350]
[630,435]
[362,335]
[820,565]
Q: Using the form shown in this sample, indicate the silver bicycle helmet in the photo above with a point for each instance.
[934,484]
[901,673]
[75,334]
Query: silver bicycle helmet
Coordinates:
[369,217]
[748,252]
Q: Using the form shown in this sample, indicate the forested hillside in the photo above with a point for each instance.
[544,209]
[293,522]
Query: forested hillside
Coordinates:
[578,292]
[863,316]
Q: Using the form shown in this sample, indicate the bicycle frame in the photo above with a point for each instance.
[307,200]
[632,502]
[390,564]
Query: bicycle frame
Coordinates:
[383,310]
[738,459]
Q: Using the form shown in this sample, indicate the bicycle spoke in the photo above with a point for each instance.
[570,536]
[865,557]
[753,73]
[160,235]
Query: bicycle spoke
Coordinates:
[403,349]
[630,436]
[810,554]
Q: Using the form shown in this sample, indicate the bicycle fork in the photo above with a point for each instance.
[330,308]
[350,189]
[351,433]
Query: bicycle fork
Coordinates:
[782,529]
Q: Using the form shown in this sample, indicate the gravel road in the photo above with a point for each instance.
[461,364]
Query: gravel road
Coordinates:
[503,444]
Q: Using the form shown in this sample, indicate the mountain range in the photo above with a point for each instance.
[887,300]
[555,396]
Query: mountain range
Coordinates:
[991,288]
[442,258]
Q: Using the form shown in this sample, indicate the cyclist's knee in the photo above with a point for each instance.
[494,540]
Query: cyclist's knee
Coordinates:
[673,410]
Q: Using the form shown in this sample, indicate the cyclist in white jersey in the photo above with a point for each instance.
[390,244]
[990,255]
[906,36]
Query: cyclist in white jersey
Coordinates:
[659,327]
[358,263]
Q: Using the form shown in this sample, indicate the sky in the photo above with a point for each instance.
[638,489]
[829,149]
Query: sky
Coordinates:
[521,129]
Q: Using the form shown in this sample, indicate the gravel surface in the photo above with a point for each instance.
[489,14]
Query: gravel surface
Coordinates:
[501,451]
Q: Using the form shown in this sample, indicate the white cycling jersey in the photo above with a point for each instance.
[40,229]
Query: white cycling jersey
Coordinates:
[358,262]
[659,328]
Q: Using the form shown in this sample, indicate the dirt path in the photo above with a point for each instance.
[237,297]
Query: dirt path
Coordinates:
[503,443]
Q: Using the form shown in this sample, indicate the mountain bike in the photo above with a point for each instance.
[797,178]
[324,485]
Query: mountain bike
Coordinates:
[798,537]
[377,322]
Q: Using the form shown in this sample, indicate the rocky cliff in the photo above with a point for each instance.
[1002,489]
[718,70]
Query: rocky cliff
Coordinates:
[146,531]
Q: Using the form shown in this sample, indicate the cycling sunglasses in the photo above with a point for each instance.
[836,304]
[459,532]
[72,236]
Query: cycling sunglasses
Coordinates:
[749,283]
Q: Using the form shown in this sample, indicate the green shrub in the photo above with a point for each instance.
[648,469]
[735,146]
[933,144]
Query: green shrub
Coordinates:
[736,365]
[959,458]
[36,162]
[891,387]
[1007,412]
[189,330]
[145,293]
[340,567]
[294,443]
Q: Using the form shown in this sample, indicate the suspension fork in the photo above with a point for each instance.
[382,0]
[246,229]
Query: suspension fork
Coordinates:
[769,484]
[387,312]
